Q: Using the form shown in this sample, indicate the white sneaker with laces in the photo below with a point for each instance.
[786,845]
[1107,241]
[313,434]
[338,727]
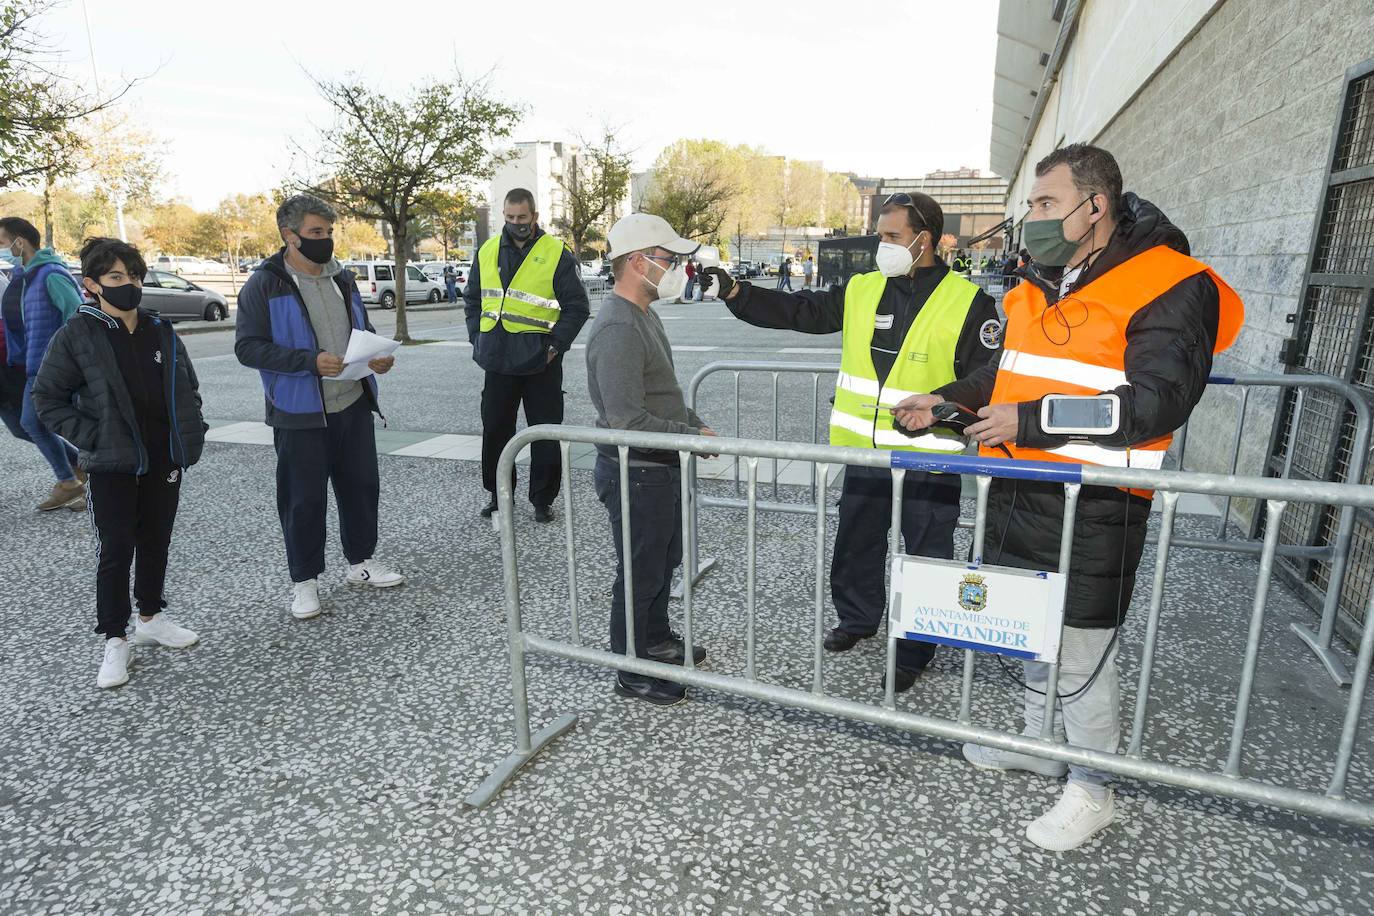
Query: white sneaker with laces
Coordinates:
[305,600]
[114,668]
[160,631]
[989,758]
[1073,820]
[370,572]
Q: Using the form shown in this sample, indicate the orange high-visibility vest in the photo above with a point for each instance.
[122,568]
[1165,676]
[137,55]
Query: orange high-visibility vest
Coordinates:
[1078,346]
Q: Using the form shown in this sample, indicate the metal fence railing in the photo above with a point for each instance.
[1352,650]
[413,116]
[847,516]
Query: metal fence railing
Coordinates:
[1337,553]
[1229,780]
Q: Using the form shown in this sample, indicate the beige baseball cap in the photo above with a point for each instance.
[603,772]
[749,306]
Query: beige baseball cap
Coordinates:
[638,231]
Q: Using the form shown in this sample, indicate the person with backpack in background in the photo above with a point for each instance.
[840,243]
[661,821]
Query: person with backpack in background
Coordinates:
[40,298]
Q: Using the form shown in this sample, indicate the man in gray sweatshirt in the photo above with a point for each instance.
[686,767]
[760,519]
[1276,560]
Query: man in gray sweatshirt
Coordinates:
[633,386]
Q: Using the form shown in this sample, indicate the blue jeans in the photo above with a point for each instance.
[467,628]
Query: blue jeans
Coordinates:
[60,453]
[691,285]
[785,281]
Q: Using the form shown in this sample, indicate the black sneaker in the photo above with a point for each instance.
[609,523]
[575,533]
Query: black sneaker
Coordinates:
[489,509]
[650,690]
[838,640]
[906,678]
[672,651]
[543,513]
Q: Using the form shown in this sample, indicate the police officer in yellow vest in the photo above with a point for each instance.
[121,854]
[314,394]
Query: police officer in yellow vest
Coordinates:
[912,325]
[524,304]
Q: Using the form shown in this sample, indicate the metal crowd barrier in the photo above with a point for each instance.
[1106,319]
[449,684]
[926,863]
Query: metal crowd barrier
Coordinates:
[1337,554]
[1230,781]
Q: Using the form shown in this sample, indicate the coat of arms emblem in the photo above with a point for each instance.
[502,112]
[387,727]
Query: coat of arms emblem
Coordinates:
[973,592]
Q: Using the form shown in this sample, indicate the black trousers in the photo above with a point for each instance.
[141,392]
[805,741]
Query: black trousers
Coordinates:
[542,396]
[133,518]
[344,454]
[656,529]
[930,513]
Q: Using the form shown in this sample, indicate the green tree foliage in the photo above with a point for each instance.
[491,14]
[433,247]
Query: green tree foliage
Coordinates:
[383,154]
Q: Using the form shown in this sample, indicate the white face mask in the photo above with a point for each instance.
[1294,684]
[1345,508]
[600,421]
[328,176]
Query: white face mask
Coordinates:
[894,260]
[670,282]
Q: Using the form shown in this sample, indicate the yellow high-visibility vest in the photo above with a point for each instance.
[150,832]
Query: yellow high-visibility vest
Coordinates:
[528,304]
[926,362]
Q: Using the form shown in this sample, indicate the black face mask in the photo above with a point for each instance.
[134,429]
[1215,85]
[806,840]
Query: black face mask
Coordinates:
[125,298]
[321,251]
[519,231]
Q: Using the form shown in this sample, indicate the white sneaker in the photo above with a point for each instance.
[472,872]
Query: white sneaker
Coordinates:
[370,572]
[160,631]
[114,668]
[988,758]
[1073,820]
[305,601]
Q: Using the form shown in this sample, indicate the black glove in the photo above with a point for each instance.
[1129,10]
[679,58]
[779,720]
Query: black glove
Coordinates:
[723,278]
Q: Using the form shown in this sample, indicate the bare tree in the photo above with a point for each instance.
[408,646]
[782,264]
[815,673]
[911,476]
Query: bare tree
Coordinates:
[384,154]
[593,186]
[39,108]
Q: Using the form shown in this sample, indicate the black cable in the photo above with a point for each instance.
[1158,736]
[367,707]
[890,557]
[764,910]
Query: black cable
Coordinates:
[1120,594]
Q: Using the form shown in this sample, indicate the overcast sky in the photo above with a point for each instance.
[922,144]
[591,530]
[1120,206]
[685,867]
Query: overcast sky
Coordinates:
[891,89]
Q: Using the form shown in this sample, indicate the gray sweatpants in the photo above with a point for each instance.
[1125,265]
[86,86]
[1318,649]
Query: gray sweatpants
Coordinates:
[1092,719]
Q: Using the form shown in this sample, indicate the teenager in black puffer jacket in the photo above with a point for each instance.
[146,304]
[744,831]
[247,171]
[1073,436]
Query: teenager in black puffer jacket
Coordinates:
[117,382]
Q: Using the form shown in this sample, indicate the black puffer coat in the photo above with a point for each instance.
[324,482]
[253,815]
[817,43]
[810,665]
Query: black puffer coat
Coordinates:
[1168,359]
[80,395]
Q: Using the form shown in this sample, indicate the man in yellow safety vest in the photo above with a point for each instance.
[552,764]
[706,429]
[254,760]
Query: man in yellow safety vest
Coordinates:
[909,326]
[524,305]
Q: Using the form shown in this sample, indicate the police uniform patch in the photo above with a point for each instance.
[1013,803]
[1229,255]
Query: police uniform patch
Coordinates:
[990,334]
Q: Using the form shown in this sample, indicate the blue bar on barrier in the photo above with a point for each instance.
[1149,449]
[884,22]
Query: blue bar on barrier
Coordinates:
[999,467]
[975,646]
[1221,380]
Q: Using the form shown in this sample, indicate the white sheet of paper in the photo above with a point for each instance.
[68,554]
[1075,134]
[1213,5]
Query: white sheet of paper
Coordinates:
[363,346]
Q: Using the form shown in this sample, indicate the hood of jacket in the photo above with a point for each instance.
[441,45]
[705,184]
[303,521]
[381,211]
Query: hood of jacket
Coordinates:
[1140,227]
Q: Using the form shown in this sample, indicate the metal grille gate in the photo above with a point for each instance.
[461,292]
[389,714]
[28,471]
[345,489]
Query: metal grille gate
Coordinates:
[1335,338]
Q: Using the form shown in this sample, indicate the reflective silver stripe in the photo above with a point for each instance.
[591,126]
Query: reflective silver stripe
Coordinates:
[494,316]
[891,397]
[492,293]
[525,319]
[1148,458]
[1062,370]
[532,299]
[853,424]
[893,439]
[863,387]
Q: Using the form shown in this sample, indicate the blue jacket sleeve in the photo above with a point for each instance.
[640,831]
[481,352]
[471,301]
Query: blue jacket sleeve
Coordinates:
[253,343]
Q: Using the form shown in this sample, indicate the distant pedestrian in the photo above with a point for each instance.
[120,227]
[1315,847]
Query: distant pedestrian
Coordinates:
[785,275]
[691,282]
[451,283]
[139,427]
[40,298]
[808,270]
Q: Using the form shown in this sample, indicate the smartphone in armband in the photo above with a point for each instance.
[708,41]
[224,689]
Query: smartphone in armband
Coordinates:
[1080,415]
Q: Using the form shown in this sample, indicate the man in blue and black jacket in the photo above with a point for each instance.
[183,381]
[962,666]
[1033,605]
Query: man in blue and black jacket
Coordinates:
[295,316]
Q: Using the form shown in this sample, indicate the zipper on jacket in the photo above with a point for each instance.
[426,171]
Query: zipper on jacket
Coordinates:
[175,439]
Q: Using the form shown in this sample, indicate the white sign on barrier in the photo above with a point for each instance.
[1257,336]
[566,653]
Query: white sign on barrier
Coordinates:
[1015,612]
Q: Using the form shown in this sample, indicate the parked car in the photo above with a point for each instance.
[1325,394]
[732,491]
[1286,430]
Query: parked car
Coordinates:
[178,299]
[435,271]
[377,284]
[185,264]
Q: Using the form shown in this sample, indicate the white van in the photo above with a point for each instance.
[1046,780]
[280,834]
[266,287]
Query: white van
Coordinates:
[377,283]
